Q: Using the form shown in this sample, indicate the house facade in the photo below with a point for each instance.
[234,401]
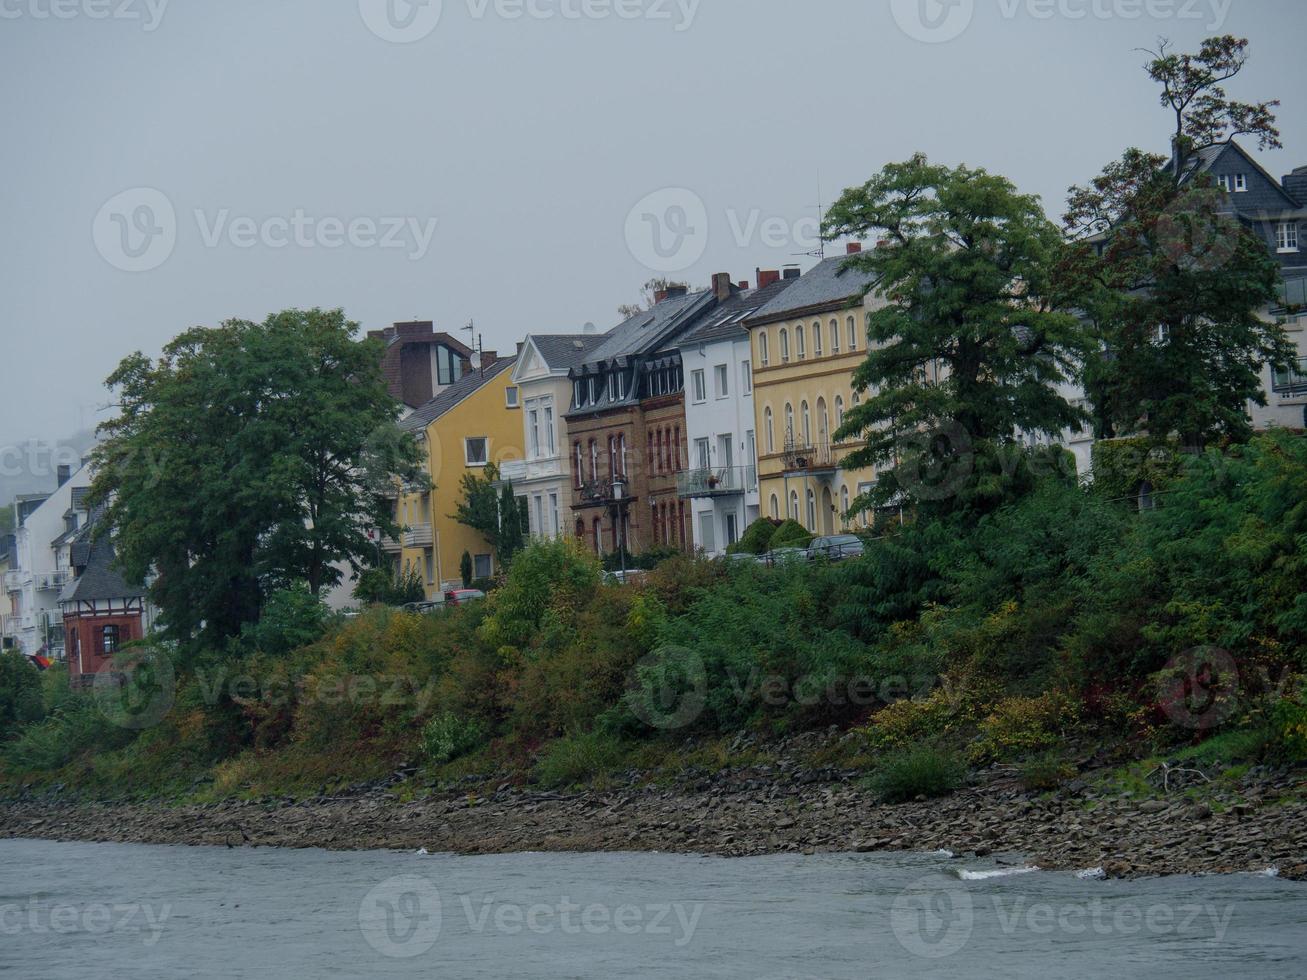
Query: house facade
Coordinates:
[39,567]
[720,479]
[542,478]
[100,612]
[805,344]
[419,362]
[471,424]
[626,427]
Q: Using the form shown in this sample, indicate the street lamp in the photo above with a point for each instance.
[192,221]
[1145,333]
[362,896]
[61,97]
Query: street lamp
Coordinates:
[619,509]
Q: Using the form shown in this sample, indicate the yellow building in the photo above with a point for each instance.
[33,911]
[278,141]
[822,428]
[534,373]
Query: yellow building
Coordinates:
[805,345]
[474,422]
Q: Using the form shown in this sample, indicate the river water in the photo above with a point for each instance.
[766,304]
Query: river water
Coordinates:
[99,910]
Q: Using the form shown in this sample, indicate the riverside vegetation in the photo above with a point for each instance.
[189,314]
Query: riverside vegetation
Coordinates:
[1063,640]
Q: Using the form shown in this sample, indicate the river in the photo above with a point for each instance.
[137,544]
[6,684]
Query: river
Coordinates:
[71,910]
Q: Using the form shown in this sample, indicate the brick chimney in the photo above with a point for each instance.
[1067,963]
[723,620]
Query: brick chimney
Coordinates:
[767,277]
[63,473]
[721,286]
[853,248]
[659,296]
[677,291]
[744,283]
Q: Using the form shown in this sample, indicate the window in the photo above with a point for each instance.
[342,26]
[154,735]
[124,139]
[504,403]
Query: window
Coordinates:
[807,424]
[109,640]
[594,461]
[721,380]
[482,567]
[594,390]
[621,454]
[853,333]
[510,397]
[1286,236]
[789,423]
[816,340]
[768,432]
[595,534]
[798,342]
[794,505]
[746,377]
[775,508]
[578,393]
[612,455]
[476,450]
[533,432]
[812,511]
[835,336]
[612,387]
[621,385]
[429,560]
[844,505]
[555,527]
[1240,182]
[538,516]
[699,385]
[579,463]
[549,429]
[763,355]
[785,346]
[702,450]
[839,411]
[823,421]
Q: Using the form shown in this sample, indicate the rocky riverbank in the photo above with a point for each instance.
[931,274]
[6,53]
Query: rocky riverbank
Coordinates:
[736,812]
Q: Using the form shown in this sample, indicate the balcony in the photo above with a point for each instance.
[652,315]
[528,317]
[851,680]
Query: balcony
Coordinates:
[1293,293]
[51,581]
[419,536]
[14,580]
[722,481]
[1291,381]
[528,470]
[807,458]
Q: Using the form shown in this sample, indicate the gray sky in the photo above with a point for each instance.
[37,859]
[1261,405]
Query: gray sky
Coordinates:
[527,132]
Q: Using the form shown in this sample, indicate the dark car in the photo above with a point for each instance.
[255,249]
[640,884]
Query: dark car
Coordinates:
[836,547]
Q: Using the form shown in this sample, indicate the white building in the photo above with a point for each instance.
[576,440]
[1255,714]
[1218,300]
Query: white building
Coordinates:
[543,477]
[721,479]
[39,567]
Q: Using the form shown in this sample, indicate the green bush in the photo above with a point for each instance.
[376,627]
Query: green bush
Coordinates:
[790,534]
[756,537]
[1045,771]
[77,728]
[445,737]
[578,758]
[920,771]
[20,693]
[291,618]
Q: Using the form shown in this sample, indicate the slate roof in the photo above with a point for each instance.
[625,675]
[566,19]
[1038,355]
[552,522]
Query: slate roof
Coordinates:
[649,330]
[830,281]
[448,399]
[566,350]
[79,498]
[99,579]
[727,320]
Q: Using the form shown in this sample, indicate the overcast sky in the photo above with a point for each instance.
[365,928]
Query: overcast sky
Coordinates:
[526,165]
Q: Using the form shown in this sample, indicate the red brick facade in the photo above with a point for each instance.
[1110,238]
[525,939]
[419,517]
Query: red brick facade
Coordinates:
[89,647]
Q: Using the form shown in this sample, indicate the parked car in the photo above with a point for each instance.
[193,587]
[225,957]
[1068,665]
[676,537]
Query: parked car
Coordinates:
[783,556]
[422,608]
[461,597]
[836,547]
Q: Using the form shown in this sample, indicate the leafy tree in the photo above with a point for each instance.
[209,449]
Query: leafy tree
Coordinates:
[7,519]
[973,339]
[648,293]
[292,618]
[1171,281]
[491,509]
[247,458]
[385,587]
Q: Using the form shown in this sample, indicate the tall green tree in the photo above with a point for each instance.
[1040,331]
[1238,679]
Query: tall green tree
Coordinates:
[247,458]
[973,339]
[490,507]
[1171,280]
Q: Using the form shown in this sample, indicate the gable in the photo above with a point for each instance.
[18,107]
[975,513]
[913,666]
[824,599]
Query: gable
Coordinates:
[1263,191]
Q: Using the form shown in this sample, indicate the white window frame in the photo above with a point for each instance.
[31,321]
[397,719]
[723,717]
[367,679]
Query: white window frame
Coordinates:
[511,397]
[816,339]
[1225,182]
[835,336]
[722,380]
[764,353]
[467,450]
[1286,237]
[746,377]
[1240,183]
[699,386]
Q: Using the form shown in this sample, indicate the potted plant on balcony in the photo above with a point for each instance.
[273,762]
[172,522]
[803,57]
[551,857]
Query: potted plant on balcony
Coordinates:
[713,481]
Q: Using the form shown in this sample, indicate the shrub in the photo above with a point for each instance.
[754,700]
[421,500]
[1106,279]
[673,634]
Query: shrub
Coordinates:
[291,618]
[1045,771]
[1289,728]
[943,711]
[921,771]
[577,758]
[756,537]
[547,583]
[382,586]
[77,728]
[1020,725]
[791,534]
[20,693]
[446,737]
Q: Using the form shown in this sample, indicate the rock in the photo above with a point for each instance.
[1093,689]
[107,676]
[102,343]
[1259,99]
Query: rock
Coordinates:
[1153,806]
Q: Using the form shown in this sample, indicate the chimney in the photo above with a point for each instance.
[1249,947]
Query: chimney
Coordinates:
[791,272]
[1295,184]
[676,291]
[63,473]
[853,248]
[767,277]
[721,286]
[520,345]
[659,296]
[744,283]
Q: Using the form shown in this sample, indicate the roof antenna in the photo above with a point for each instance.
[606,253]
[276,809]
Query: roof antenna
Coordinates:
[820,251]
[478,349]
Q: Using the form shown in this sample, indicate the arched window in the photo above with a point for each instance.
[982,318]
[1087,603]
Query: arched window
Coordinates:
[807,423]
[839,411]
[816,340]
[812,510]
[597,541]
[658,449]
[621,454]
[676,449]
[785,346]
[855,399]
[579,476]
[794,505]
[768,433]
[775,508]
[844,506]
[580,529]
[612,456]
[798,342]
[789,423]
[853,333]
[835,336]
[823,422]
[764,355]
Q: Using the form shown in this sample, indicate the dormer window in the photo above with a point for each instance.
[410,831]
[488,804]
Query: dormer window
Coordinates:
[578,392]
[594,390]
[612,387]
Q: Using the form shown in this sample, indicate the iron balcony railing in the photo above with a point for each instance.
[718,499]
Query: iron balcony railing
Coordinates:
[719,481]
[1291,380]
[808,457]
[50,581]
